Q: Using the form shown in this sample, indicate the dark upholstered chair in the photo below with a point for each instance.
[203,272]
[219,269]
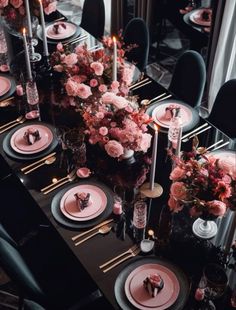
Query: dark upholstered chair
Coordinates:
[53,289]
[223,113]
[189,78]
[136,32]
[93,17]
[31,305]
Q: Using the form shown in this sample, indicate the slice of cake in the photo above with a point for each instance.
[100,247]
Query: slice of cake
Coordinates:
[59,28]
[153,284]
[31,135]
[82,200]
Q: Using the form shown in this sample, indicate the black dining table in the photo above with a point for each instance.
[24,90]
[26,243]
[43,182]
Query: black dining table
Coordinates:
[99,249]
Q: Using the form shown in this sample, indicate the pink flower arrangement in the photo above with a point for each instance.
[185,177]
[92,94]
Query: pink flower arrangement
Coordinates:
[14,10]
[93,69]
[117,125]
[202,183]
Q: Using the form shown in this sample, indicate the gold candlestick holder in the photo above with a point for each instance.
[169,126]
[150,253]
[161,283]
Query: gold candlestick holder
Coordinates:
[151,193]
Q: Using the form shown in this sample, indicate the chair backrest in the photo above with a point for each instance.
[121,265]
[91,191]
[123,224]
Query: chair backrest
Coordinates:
[14,265]
[189,78]
[223,113]
[4,234]
[93,17]
[136,32]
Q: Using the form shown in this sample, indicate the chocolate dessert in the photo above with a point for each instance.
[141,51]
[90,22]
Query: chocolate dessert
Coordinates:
[82,200]
[59,28]
[31,136]
[153,284]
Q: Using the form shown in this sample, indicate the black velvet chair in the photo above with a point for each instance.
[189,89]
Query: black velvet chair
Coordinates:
[136,32]
[189,78]
[93,17]
[223,113]
[53,288]
[31,305]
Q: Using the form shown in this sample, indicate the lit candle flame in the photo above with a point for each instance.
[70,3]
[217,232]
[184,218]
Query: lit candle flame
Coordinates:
[24,31]
[155,127]
[114,39]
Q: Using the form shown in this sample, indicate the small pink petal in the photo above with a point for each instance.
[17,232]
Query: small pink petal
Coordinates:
[83,172]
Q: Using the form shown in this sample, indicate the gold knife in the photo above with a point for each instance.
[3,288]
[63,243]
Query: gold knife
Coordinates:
[92,229]
[37,162]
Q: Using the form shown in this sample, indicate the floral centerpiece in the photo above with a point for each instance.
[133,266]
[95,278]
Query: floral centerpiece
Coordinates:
[13,11]
[111,119]
[201,182]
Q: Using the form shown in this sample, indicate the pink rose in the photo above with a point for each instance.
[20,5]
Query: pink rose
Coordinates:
[107,97]
[119,102]
[114,86]
[84,91]
[52,6]
[199,294]
[21,10]
[60,47]
[19,90]
[16,3]
[71,87]
[194,212]
[216,207]
[100,115]
[70,59]
[178,190]
[177,173]
[102,88]
[97,67]
[3,3]
[93,83]
[114,148]
[127,75]
[145,142]
[228,165]
[103,131]
[58,68]
[174,205]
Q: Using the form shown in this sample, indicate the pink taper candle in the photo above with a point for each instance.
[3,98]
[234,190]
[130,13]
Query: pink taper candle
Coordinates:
[154,156]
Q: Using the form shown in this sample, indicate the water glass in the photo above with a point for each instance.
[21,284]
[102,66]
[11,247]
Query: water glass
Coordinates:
[33,100]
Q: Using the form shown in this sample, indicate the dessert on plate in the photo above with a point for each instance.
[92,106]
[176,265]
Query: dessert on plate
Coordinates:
[59,28]
[153,284]
[82,200]
[31,135]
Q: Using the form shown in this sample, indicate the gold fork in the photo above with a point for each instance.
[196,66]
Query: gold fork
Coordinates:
[18,119]
[60,184]
[133,253]
[13,125]
[70,175]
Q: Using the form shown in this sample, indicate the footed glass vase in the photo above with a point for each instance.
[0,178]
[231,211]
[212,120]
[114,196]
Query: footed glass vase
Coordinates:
[205,227]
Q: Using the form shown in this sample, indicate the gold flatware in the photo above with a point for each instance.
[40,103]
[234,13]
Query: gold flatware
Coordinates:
[213,145]
[91,230]
[59,185]
[129,251]
[13,125]
[58,19]
[6,102]
[48,161]
[166,97]
[132,254]
[37,162]
[196,134]
[68,176]
[102,230]
[138,83]
[75,40]
[220,146]
[193,131]
[18,119]
[141,85]
[149,101]
[93,47]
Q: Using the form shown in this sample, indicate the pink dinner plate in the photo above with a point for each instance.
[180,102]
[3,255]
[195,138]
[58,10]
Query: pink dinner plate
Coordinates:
[19,144]
[196,17]
[5,85]
[141,299]
[95,208]
[158,114]
[68,32]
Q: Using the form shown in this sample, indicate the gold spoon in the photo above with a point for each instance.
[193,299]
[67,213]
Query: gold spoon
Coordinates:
[48,161]
[103,230]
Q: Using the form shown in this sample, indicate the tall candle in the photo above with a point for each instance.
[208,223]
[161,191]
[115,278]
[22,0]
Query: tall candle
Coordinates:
[45,43]
[114,69]
[27,58]
[27,9]
[178,147]
[154,156]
